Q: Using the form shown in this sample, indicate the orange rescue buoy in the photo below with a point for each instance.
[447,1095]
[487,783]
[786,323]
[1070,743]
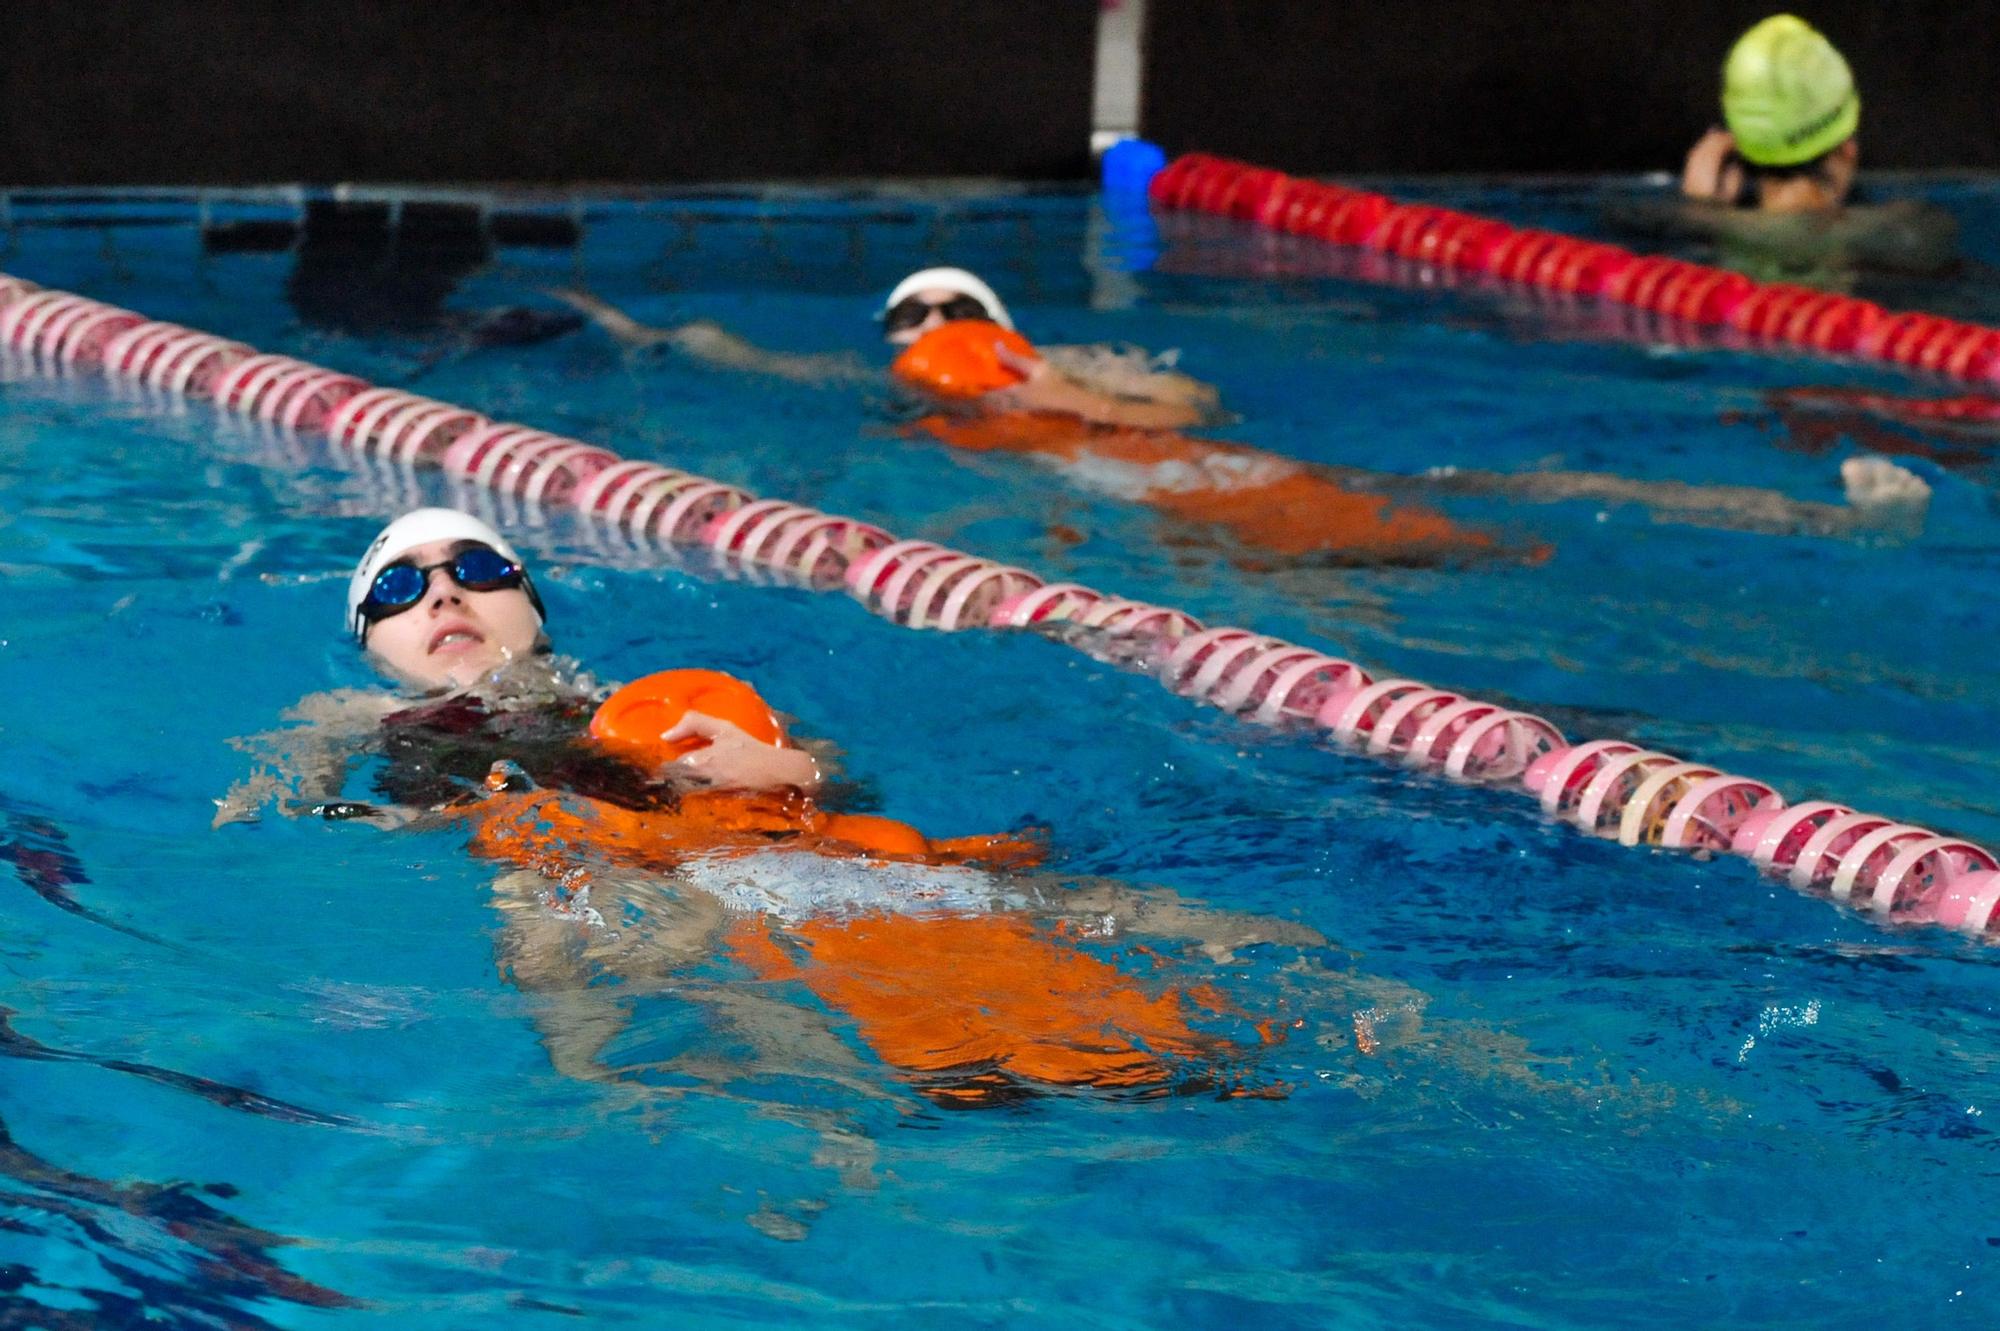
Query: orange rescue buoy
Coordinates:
[959,359]
[633,722]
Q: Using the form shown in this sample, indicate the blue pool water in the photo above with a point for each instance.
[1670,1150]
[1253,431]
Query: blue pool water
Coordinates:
[270,1075]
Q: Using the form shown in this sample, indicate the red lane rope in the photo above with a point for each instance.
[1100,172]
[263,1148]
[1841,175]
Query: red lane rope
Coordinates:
[1694,293]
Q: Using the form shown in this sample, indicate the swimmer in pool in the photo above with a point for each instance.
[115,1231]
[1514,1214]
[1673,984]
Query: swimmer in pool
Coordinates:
[972,986]
[1793,116]
[1110,421]
[654,832]
[1776,188]
[444,606]
[1272,505]
[1110,385]
[1238,487]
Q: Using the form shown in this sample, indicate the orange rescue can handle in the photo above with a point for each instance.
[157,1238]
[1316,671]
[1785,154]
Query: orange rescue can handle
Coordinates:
[959,359]
[634,721]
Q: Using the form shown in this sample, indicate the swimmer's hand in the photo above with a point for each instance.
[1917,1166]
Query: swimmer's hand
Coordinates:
[1042,386]
[246,799]
[1027,364]
[735,760]
[1712,171]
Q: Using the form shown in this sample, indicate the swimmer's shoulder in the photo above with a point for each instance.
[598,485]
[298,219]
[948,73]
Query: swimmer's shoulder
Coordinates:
[343,709]
[1906,237]
[1903,236]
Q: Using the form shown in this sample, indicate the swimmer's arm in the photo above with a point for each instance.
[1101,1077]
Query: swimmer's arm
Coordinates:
[712,343]
[1045,388]
[304,768]
[613,320]
[698,337]
[715,344]
[247,799]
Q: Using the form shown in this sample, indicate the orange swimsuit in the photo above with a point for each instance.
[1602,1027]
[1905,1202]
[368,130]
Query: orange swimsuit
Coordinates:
[1264,501]
[976,1007]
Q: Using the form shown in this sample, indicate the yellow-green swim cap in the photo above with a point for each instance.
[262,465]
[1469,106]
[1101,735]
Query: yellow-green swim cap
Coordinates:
[1787,94]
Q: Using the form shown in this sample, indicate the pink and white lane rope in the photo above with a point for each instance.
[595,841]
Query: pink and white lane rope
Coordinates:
[1608,788]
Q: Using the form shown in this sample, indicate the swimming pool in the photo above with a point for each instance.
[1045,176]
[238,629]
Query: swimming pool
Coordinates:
[1644,1089]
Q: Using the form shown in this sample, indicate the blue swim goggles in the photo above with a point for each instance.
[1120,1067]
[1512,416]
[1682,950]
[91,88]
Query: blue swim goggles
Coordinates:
[476,568]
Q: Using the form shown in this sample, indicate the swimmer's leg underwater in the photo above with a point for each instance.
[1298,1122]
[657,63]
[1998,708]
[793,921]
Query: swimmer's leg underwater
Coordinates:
[637,940]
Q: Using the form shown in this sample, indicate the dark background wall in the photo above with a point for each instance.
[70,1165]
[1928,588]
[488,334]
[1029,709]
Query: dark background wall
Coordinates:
[241,91]
[1542,85]
[237,91]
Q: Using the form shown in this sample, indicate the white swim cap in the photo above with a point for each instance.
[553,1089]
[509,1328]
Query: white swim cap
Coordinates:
[422,527]
[951,279]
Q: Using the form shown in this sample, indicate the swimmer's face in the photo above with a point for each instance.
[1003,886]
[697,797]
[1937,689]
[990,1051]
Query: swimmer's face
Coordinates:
[453,637]
[933,307]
